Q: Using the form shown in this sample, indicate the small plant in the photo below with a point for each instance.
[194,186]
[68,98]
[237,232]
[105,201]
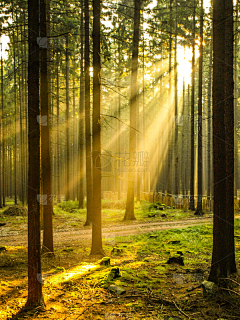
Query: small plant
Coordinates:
[68,206]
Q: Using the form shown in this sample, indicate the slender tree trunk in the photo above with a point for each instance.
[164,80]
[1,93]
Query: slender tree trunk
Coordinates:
[169,168]
[3,136]
[68,171]
[200,84]
[236,50]
[35,297]
[58,132]
[176,104]
[89,182]
[25,109]
[119,123]
[143,117]
[129,213]
[45,140]
[15,118]
[81,117]
[20,120]
[183,154]
[209,124]
[192,176]
[96,129]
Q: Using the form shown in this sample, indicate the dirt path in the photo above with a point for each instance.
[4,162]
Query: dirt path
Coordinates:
[108,232]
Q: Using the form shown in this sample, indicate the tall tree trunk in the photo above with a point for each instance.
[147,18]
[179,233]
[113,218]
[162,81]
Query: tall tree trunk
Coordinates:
[81,117]
[45,139]
[119,123]
[209,123]
[96,129]
[73,144]
[200,84]
[129,213]
[176,104]
[183,142]
[192,180]
[89,183]
[143,117]
[169,167]
[68,172]
[3,136]
[35,297]
[20,120]
[229,133]
[58,131]
[15,118]
[236,50]
[223,256]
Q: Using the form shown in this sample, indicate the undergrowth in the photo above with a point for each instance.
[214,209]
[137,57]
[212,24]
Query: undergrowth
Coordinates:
[76,285]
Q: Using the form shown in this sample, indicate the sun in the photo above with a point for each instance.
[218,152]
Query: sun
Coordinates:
[184,68]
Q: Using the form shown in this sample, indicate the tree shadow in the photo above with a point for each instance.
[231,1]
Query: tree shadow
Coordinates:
[27,312]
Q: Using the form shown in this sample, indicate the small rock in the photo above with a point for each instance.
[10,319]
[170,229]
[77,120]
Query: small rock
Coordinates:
[180,252]
[176,260]
[116,250]
[105,261]
[151,215]
[116,289]
[153,236]
[209,288]
[113,274]
[174,242]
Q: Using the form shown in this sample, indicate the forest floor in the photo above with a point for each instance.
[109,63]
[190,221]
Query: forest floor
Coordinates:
[76,285]
[68,222]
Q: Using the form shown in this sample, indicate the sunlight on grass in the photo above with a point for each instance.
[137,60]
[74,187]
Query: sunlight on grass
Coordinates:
[71,274]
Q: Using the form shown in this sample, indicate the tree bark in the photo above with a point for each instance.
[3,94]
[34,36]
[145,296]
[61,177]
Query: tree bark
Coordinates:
[89,183]
[96,129]
[46,171]
[129,213]
[200,84]
[229,133]
[35,297]
[81,117]
[169,141]
[223,256]
[176,104]
[68,172]
[192,178]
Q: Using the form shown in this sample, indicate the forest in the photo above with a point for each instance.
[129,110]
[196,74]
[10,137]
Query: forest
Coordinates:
[119,157]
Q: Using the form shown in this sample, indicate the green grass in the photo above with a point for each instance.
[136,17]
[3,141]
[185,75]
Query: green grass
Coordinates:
[67,214]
